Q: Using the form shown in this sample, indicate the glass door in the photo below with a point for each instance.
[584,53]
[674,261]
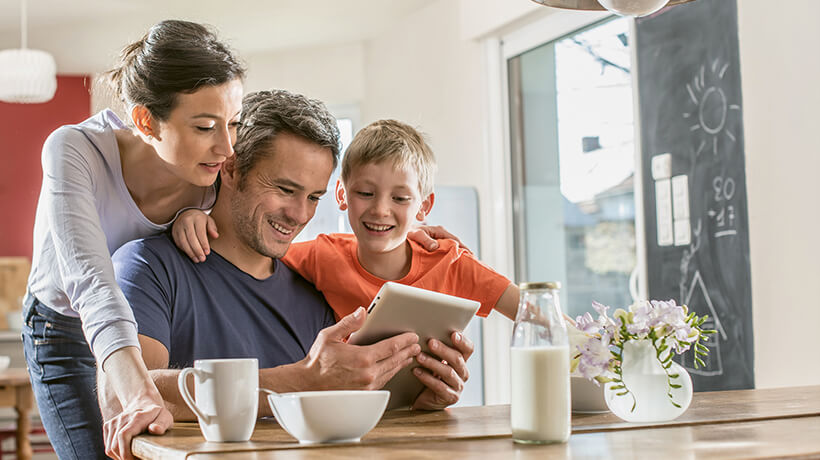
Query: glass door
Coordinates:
[573,165]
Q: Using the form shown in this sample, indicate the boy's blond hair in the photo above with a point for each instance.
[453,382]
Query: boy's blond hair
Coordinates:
[394,141]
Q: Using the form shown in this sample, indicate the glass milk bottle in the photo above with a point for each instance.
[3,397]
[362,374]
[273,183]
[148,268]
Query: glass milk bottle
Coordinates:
[539,363]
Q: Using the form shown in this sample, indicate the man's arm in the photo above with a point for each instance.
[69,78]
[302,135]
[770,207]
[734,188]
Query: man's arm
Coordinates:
[331,364]
[156,358]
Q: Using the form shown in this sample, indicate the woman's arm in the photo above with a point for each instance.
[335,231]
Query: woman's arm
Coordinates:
[86,273]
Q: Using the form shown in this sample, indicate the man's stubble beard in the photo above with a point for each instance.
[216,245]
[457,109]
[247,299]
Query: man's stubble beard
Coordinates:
[248,232]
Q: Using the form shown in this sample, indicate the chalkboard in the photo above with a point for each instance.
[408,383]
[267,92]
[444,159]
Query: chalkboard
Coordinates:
[692,152]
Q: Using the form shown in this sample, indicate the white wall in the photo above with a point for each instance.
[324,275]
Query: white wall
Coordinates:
[333,74]
[780,71]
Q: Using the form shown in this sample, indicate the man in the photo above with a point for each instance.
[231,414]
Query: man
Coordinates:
[242,301]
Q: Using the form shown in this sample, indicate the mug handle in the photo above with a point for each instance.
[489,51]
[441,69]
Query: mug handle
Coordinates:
[186,396]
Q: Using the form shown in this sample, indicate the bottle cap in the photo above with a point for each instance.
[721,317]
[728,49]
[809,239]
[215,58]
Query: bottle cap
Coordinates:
[540,285]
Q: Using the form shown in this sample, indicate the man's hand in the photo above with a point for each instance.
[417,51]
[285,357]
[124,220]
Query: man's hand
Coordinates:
[444,375]
[333,364]
[426,235]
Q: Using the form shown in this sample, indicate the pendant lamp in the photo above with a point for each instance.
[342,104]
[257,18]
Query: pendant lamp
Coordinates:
[26,76]
[623,7]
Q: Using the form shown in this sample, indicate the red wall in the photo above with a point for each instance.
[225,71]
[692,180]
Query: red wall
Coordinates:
[23,129]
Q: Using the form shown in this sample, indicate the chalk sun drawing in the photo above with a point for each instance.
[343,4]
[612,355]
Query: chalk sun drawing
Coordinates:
[711,106]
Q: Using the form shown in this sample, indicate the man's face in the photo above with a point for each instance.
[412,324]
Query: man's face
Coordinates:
[279,195]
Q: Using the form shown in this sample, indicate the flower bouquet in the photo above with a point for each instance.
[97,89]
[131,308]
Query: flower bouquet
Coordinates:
[632,354]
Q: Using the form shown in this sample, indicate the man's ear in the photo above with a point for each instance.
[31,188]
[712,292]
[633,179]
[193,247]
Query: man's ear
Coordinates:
[229,174]
[144,121]
[341,197]
[426,207]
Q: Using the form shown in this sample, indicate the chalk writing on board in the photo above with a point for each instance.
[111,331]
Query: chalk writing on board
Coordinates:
[723,212]
[707,123]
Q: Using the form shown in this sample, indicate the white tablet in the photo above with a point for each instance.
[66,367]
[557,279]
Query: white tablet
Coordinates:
[399,308]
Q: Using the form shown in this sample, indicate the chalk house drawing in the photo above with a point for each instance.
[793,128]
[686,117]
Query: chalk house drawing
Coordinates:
[695,290]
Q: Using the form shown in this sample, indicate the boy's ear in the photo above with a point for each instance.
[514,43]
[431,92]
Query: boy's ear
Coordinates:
[144,122]
[340,195]
[426,207]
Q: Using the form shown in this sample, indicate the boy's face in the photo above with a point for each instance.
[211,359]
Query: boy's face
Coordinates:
[382,203]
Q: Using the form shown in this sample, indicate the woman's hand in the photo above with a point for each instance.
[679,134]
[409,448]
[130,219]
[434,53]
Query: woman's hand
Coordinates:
[125,383]
[191,231]
[426,235]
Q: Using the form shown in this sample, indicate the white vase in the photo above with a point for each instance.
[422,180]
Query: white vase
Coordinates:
[648,384]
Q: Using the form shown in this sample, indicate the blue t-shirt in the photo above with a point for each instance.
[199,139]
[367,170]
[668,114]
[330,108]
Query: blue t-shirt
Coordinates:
[215,310]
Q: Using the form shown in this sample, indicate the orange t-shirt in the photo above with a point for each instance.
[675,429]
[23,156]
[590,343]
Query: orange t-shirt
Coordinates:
[331,263]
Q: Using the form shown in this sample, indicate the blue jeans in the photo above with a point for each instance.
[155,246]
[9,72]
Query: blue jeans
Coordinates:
[63,377]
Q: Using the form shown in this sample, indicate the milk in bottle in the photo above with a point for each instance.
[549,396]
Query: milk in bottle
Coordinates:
[539,361]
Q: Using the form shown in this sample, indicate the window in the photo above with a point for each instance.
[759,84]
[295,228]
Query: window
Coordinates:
[573,168]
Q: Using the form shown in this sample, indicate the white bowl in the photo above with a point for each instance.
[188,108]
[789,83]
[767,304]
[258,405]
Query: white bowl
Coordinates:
[587,398]
[328,416]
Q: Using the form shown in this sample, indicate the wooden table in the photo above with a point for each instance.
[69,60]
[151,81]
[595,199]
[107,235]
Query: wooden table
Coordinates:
[781,422]
[15,391]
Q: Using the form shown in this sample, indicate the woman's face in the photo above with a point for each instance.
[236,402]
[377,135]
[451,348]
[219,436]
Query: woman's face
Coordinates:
[200,132]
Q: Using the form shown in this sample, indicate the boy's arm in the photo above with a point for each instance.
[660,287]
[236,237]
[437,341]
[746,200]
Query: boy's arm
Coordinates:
[507,304]
[190,232]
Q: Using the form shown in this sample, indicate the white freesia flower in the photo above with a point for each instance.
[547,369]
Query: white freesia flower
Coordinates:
[596,344]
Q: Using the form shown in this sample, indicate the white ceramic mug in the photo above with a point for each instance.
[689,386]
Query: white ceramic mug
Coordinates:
[226,397]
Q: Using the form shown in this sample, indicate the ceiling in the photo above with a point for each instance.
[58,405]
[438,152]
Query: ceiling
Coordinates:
[86,35]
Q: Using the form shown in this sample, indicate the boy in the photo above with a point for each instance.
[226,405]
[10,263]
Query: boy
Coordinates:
[387,183]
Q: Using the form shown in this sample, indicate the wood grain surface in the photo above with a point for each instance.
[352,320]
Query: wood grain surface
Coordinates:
[459,428]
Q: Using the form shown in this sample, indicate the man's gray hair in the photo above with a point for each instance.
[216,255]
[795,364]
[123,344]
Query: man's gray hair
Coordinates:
[265,114]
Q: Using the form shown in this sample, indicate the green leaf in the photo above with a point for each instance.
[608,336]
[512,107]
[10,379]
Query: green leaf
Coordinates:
[674,376]
[674,385]
[617,387]
[623,393]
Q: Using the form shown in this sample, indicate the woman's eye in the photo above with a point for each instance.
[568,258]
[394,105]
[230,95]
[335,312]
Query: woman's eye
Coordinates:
[235,125]
[314,198]
[365,194]
[285,190]
[401,199]
[205,128]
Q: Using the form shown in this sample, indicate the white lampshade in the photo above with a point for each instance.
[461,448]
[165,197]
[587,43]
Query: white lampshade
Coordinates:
[27,76]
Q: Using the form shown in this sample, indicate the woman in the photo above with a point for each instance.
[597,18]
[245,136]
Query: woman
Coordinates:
[105,184]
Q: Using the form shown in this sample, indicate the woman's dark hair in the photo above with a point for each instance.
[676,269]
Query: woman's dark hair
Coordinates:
[173,57]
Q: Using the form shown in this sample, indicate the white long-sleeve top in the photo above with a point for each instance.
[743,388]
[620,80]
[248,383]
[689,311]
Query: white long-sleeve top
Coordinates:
[84,214]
